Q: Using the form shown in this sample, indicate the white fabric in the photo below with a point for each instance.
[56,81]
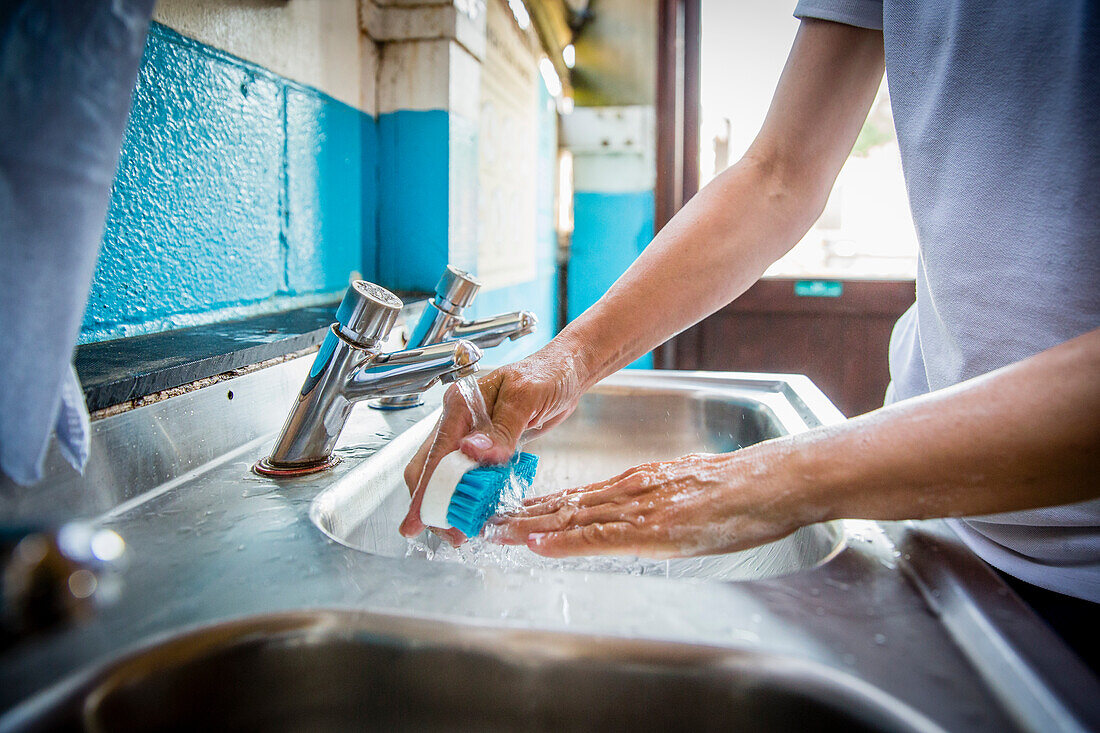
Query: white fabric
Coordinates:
[995,108]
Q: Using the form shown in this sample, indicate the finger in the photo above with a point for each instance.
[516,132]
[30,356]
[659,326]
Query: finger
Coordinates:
[515,530]
[589,495]
[610,538]
[412,524]
[533,432]
[512,412]
[453,536]
[453,424]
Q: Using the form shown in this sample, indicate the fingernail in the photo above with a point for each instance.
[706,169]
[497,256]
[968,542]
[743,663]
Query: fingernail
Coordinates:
[480,441]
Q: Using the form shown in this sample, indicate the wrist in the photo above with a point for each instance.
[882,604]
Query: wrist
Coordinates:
[802,478]
[582,352]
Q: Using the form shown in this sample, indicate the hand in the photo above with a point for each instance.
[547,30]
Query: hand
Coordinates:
[521,399]
[696,505]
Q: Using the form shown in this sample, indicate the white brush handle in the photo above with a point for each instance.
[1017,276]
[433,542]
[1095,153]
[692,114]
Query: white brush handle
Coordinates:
[441,487]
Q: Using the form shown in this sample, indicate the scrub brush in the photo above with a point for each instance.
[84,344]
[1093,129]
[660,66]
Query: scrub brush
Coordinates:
[463,495]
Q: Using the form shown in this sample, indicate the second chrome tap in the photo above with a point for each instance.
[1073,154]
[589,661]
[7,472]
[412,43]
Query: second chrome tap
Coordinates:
[443,321]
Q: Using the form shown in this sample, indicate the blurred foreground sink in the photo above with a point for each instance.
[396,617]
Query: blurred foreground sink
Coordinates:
[336,671]
[626,420]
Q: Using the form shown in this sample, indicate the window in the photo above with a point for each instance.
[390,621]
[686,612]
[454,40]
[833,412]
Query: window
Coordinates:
[866,229]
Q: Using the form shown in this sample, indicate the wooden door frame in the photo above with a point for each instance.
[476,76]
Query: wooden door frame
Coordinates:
[679,39]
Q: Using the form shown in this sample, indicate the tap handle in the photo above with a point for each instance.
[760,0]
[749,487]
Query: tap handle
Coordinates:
[456,290]
[367,312]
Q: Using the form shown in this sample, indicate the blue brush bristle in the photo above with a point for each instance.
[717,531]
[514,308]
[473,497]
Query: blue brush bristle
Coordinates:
[477,494]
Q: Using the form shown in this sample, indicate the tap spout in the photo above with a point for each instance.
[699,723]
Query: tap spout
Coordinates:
[489,332]
[442,320]
[412,370]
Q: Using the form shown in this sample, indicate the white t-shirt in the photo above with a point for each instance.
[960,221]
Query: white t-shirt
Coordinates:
[995,106]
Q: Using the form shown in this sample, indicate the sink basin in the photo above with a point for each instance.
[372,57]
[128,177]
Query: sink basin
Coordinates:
[336,671]
[904,618]
[626,420]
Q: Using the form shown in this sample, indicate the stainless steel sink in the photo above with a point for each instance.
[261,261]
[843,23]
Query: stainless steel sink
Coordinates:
[626,420]
[865,614]
[333,671]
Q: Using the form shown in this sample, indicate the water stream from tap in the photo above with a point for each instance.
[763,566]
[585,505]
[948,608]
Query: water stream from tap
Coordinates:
[512,497]
[475,402]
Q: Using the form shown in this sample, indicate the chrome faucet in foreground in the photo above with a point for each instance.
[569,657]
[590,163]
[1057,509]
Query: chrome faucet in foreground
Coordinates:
[351,367]
[442,321]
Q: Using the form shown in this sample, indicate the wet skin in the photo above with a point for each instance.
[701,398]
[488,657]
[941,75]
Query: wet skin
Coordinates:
[1022,437]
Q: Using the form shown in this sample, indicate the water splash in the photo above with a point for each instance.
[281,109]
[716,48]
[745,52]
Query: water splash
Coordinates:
[515,490]
[480,552]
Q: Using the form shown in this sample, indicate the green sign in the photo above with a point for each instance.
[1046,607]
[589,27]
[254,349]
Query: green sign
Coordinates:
[819,288]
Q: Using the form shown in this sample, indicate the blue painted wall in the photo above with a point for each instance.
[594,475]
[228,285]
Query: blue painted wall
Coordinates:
[240,192]
[610,230]
[413,190]
[237,192]
[325,195]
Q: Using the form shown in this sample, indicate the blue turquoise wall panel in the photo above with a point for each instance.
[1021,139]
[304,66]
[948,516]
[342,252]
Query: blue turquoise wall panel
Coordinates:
[413,204]
[539,296]
[238,192]
[610,230]
[194,220]
[324,218]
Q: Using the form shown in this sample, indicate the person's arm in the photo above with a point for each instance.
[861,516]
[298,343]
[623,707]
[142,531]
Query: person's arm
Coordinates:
[724,238]
[1022,437]
[707,255]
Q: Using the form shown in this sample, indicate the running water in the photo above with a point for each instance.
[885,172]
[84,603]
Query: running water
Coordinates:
[511,499]
[475,402]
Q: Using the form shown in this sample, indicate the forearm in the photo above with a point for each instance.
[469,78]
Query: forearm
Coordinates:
[728,234]
[1022,437]
[710,253]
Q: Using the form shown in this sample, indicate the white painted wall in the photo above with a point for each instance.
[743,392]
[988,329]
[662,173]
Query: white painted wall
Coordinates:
[315,42]
[614,148]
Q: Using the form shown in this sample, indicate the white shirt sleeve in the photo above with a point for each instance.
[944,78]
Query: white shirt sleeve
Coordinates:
[860,13]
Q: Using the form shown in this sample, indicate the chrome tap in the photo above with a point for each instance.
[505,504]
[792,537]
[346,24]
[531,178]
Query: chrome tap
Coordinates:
[53,578]
[442,321]
[351,367]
